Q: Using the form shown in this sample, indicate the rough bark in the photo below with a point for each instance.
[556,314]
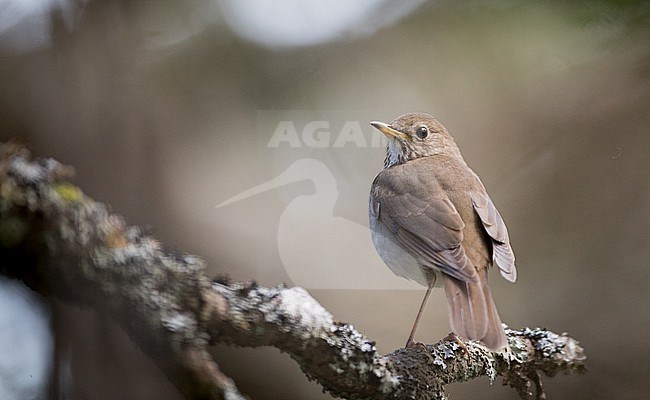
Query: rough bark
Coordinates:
[66,245]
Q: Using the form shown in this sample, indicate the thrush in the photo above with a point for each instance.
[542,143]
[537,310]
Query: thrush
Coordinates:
[433,222]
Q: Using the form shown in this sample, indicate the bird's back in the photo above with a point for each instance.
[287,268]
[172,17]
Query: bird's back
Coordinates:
[422,191]
[458,180]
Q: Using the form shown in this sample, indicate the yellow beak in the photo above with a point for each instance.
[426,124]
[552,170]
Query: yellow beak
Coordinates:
[388,131]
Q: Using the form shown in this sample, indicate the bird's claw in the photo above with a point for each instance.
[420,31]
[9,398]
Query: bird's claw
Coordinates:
[414,344]
[452,337]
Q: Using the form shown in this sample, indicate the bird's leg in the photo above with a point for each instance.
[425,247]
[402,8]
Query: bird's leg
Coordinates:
[432,281]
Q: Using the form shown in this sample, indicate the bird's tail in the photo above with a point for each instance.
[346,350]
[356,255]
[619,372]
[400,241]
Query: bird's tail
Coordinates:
[472,312]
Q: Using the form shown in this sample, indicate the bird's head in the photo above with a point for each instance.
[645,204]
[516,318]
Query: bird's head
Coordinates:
[415,135]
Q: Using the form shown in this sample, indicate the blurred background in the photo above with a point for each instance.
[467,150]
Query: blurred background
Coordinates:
[238,131]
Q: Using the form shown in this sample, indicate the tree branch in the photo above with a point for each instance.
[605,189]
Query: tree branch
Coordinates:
[64,244]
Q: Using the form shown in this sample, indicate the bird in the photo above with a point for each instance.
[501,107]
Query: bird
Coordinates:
[433,222]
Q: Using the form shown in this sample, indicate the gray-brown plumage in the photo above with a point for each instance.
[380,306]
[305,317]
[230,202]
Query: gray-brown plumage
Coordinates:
[433,222]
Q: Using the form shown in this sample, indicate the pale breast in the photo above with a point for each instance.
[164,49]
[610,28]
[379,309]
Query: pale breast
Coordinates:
[399,260]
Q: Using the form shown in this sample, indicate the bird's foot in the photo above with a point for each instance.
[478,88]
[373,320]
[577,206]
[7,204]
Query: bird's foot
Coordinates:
[452,337]
[414,344]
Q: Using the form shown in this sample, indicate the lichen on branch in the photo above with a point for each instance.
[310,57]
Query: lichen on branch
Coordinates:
[64,244]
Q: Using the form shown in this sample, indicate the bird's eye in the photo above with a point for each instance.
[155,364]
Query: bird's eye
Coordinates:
[422,132]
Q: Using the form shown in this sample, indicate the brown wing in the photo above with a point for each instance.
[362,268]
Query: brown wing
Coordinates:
[502,253]
[422,218]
